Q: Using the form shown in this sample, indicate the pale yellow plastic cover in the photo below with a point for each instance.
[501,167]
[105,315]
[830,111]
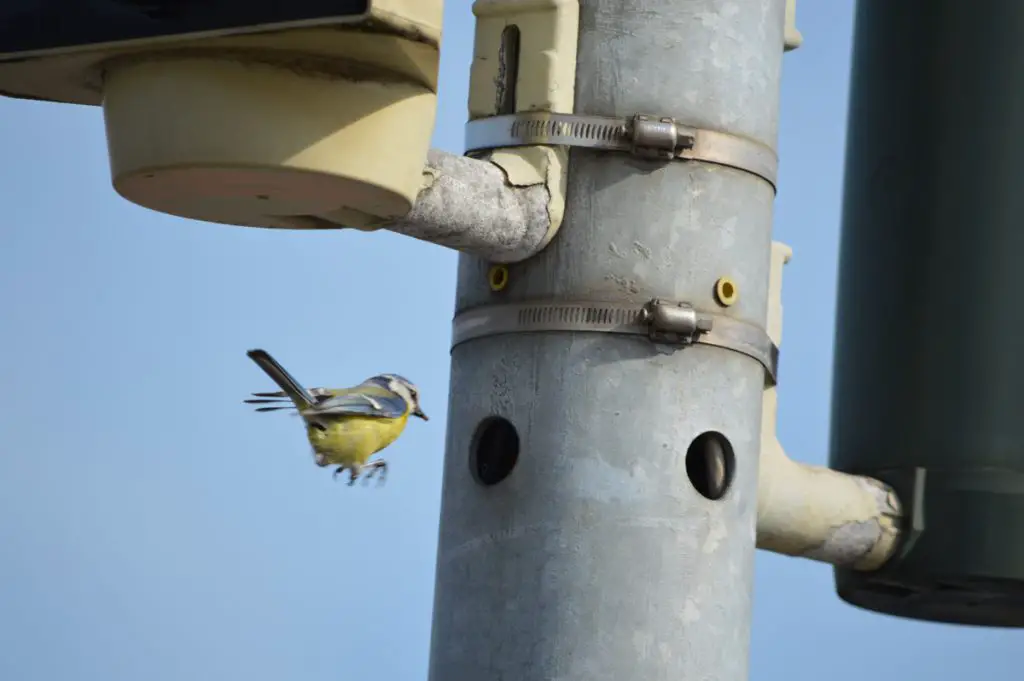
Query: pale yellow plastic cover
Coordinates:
[793,38]
[549,30]
[262,145]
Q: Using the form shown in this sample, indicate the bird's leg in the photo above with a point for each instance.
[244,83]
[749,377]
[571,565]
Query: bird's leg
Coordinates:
[374,467]
[338,471]
[354,471]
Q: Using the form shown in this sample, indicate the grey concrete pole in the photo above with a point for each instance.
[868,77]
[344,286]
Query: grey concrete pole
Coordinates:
[596,558]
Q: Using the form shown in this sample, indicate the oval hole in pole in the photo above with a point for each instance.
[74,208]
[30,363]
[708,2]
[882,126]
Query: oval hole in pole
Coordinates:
[710,464]
[493,451]
[508,70]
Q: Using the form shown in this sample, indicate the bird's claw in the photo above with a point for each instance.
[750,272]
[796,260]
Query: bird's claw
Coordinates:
[352,473]
[373,468]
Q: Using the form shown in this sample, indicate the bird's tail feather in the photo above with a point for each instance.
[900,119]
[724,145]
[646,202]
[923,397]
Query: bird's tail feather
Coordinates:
[292,388]
[278,402]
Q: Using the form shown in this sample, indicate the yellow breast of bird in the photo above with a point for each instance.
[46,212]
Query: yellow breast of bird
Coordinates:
[354,439]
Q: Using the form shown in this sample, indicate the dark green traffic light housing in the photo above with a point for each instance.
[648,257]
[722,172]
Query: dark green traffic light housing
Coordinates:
[929,354]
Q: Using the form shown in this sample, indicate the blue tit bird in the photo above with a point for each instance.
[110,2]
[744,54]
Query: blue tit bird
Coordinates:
[345,426]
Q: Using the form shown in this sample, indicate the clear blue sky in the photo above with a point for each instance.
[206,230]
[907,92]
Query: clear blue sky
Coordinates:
[152,527]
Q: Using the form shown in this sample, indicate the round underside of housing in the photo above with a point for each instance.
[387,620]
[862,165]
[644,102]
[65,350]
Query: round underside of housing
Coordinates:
[260,145]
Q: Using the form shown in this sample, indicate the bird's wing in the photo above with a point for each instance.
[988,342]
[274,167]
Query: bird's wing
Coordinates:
[362,401]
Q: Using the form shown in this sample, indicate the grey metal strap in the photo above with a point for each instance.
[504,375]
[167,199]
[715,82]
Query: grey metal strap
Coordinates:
[640,135]
[661,321]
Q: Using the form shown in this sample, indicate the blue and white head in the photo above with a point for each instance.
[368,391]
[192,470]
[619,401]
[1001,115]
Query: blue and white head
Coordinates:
[403,387]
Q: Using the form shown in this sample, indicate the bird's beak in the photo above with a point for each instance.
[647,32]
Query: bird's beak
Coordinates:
[419,412]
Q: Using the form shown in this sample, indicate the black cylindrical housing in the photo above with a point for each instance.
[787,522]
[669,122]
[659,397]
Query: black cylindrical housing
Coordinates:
[928,390]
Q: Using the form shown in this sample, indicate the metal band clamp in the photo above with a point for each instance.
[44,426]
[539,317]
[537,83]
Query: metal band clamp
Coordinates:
[661,321]
[640,135]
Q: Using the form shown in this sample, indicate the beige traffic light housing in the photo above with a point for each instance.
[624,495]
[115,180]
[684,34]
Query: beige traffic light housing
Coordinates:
[320,125]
